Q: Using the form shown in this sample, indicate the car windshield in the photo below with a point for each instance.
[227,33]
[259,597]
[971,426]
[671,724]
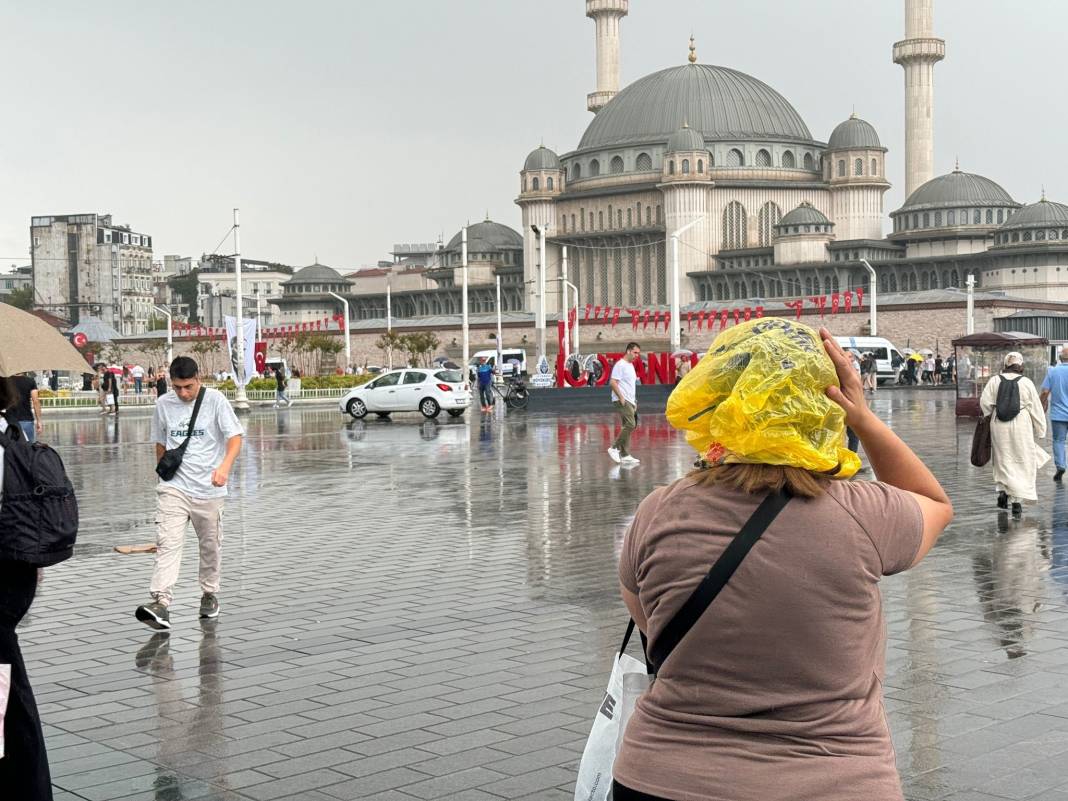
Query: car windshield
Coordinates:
[449,376]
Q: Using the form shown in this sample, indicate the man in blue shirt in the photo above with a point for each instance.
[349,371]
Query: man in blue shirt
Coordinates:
[1056,387]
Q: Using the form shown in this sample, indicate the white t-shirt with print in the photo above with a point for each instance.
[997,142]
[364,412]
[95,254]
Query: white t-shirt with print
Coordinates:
[216,423]
[627,378]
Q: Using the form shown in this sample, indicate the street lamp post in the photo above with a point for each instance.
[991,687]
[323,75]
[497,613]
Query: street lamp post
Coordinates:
[970,283]
[540,232]
[565,285]
[240,398]
[466,325]
[389,320]
[348,344]
[170,332]
[676,329]
[874,298]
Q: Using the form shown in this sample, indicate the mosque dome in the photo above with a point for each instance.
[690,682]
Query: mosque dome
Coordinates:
[541,159]
[719,102]
[958,189]
[854,133]
[686,139]
[487,237]
[805,214]
[316,273]
[1043,214]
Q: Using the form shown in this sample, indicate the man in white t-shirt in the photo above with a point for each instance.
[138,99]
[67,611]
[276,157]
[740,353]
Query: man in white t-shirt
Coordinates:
[196,492]
[624,383]
[138,374]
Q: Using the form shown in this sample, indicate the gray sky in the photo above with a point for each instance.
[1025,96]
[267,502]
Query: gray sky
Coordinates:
[342,126]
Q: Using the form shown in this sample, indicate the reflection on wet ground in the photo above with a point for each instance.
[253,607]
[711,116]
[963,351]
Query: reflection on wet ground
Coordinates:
[416,609]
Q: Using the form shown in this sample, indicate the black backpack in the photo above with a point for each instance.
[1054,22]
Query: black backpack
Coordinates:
[1007,405]
[38,511]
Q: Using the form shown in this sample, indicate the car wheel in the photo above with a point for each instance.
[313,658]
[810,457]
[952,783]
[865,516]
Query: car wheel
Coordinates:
[456,412]
[430,408]
[383,415]
[357,408]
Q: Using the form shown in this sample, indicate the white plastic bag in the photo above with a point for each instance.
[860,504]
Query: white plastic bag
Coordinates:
[628,680]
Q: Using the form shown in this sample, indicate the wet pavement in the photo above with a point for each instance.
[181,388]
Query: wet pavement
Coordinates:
[416,610]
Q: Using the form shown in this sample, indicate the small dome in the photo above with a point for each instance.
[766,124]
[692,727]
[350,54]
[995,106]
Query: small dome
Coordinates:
[542,159]
[958,189]
[686,138]
[487,237]
[317,273]
[805,214]
[1044,214]
[853,133]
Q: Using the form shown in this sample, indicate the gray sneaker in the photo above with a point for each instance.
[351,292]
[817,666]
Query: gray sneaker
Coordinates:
[154,615]
[209,605]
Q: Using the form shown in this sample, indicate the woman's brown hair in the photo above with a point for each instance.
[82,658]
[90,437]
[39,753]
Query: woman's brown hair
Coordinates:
[760,479]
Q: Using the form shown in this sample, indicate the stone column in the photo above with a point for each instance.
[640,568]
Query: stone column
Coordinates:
[918,54]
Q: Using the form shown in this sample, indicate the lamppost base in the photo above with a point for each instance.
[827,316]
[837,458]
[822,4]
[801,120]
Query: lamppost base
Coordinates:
[241,403]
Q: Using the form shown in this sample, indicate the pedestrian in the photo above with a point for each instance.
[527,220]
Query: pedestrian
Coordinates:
[624,384]
[161,383]
[1054,397]
[138,373]
[852,440]
[1016,420]
[682,367]
[762,698]
[869,373]
[28,409]
[24,773]
[53,381]
[109,384]
[485,384]
[910,372]
[939,366]
[98,385]
[204,419]
[949,374]
[280,388]
[928,371]
[897,362]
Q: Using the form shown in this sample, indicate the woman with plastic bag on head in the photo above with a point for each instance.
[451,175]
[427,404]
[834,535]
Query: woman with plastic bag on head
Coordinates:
[1017,420]
[773,691]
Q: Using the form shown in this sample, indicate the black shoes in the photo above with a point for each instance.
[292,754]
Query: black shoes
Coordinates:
[1003,500]
[154,615]
[1017,509]
[1059,474]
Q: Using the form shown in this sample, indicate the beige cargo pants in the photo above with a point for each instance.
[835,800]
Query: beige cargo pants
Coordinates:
[174,509]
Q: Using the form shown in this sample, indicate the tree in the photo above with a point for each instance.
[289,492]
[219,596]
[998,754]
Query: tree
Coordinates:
[324,345]
[389,342]
[157,323]
[21,298]
[114,354]
[187,286]
[204,348]
[420,347]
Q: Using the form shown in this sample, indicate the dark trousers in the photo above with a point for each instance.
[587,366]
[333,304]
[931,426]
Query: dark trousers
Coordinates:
[852,440]
[24,768]
[485,394]
[621,793]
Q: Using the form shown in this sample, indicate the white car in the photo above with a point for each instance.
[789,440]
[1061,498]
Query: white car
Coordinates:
[427,390]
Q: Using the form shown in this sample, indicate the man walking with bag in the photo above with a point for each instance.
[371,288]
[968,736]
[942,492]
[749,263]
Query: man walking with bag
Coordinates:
[1055,387]
[624,383]
[197,438]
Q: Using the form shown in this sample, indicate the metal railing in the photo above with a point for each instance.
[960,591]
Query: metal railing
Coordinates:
[87,400]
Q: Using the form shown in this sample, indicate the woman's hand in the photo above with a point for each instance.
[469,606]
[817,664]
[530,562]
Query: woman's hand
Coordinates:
[850,396]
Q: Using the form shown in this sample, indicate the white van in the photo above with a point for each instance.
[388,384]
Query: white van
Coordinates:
[882,349]
[507,356]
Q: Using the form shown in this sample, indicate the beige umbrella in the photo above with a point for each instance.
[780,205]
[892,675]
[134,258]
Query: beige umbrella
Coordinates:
[29,343]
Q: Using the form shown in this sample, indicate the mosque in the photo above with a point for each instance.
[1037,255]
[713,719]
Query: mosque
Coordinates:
[762,208]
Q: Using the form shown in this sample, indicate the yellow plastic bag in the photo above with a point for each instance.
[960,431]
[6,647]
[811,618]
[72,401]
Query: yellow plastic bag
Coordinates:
[759,395]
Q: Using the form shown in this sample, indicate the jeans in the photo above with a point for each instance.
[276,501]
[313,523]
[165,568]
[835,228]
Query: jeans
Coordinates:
[138,384]
[1060,433]
[628,418]
[485,394]
[31,433]
[280,397]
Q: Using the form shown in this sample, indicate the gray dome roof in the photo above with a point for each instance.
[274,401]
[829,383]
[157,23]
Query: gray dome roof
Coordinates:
[852,133]
[542,159]
[1044,214]
[686,138]
[317,273]
[487,236]
[721,103]
[958,189]
[805,214]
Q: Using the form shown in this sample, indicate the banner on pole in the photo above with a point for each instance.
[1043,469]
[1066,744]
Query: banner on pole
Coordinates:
[249,343]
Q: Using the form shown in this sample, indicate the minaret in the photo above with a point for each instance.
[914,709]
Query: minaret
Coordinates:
[606,14]
[918,53]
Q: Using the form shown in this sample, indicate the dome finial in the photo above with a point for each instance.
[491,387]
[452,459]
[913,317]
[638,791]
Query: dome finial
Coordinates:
[693,51]
[1043,198]
[853,116]
[956,165]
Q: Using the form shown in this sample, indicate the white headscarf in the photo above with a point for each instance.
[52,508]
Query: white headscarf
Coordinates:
[1014,358]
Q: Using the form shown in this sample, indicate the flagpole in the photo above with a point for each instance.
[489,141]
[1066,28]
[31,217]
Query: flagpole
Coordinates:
[240,398]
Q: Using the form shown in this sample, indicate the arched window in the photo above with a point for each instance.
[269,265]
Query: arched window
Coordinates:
[989,216]
[808,162]
[638,209]
[927,219]
[563,222]
[955,279]
[735,158]
[767,219]
[595,168]
[600,221]
[1026,236]
[1001,215]
[763,158]
[671,167]
[659,215]
[841,168]
[534,184]
[977,217]
[643,162]
[734,226]
[630,218]
[858,167]
[1015,236]
[700,166]
[524,184]
[572,222]
[619,222]
[615,166]
[874,167]
[685,166]
[952,215]
[549,184]
[938,219]
[609,215]
[576,172]
[788,159]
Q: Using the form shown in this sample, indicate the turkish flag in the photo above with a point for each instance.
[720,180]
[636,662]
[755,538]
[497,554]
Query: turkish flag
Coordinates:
[615,316]
[860,297]
[634,315]
[796,305]
[747,313]
[667,321]
[848,300]
[836,300]
[820,302]
[759,312]
[689,321]
[596,312]
[737,315]
[588,307]
[645,320]
[723,319]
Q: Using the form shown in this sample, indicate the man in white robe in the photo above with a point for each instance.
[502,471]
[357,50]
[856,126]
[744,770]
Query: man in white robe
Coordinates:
[1015,456]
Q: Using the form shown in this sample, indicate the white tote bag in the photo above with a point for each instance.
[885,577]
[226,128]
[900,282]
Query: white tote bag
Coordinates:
[628,681]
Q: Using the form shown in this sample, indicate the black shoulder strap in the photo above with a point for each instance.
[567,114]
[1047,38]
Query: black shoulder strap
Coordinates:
[717,578]
[193,419]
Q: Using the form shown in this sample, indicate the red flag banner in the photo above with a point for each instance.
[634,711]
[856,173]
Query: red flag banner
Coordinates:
[656,319]
[759,312]
[667,321]
[848,295]
[634,315]
[737,314]
[607,314]
[747,313]
[645,320]
[860,298]
[723,319]
[588,307]
[796,305]
[820,302]
[596,312]
[689,321]
[836,300]
[615,316]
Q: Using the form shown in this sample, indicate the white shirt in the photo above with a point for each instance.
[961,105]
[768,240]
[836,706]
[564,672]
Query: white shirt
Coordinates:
[137,371]
[216,423]
[627,380]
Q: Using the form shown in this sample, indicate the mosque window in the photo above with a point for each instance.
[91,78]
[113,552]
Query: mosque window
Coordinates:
[989,216]
[700,166]
[1052,234]
[615,166]
[582,219]
[1015,236]
[600,220]
[671,168]
[524,184]
[938,219]
[549,184]
[788,159]
[767,219]
[629,218]
[858,167]
[648,216]
[659,215]
[1040,235]
[609,215]
[685,166]
[734,225]
[576,172]
[808,162]
[763,158]
[595,168]
[563,223]
[952,217]
[874,167]
[841,168]
[619,220]
[927,219]
[534,184]
[1026,236]
[643,162]
[638,212]
[977,217]
[963,216]
[1064,234]
[591,220]
[735,158]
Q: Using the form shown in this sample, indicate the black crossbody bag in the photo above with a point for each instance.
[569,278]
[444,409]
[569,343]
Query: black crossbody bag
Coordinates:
[714,581]
[167,466]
